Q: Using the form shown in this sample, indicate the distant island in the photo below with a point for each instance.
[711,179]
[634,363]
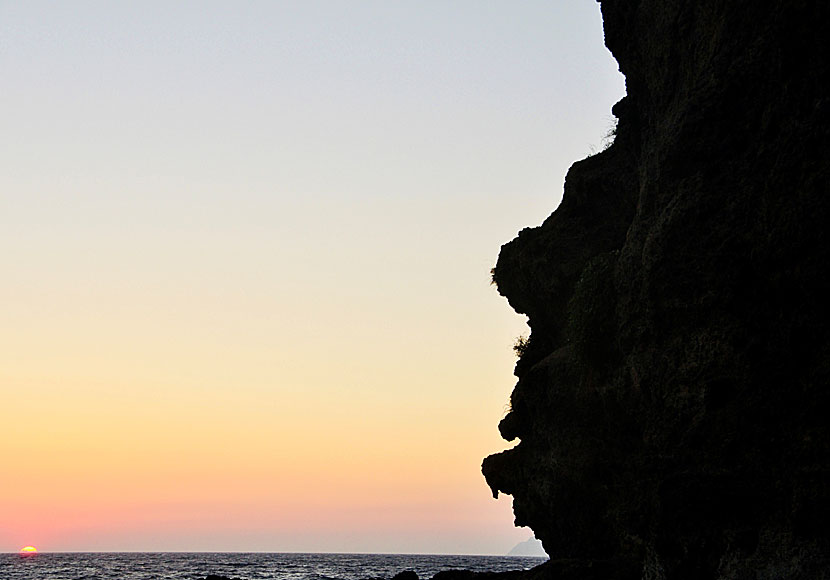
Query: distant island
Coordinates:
[530,547]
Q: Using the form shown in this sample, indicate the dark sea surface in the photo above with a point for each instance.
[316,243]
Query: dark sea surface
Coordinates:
[195,566]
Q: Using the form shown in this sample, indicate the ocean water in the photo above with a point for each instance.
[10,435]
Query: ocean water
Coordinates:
[196,566]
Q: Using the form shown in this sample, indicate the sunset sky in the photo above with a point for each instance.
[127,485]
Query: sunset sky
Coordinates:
[246,253]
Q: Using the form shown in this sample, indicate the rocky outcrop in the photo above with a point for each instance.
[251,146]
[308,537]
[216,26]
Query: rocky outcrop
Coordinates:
[673,398]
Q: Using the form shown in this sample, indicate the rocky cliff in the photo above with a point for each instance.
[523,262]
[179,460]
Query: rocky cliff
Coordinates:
[672,400]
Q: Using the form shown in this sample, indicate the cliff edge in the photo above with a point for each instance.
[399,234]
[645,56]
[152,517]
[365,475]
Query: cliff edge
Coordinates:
[672,399]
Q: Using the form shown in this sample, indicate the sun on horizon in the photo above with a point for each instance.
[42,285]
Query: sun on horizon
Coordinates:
[28,550]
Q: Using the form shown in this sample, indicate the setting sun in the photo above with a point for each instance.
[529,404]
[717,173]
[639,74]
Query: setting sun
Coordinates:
[28,550]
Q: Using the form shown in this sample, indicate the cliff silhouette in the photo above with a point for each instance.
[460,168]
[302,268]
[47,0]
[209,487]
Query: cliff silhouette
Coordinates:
[672,399]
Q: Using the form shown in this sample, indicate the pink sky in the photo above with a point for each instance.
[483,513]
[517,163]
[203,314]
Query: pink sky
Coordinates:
[246,300]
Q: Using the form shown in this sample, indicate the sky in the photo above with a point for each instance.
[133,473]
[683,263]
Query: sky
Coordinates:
[246,254]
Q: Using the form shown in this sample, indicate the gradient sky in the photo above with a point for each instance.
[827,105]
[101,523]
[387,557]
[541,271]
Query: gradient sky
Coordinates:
[246,254]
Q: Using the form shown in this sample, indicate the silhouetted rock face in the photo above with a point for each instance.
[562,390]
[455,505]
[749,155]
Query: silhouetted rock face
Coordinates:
[672,402]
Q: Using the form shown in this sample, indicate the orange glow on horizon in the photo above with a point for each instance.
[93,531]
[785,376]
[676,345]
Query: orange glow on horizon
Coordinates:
[26,550]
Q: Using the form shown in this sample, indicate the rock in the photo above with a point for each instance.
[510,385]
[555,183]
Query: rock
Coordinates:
[457,575]
[469,575]
[672,399]
[406,575]
[214,577]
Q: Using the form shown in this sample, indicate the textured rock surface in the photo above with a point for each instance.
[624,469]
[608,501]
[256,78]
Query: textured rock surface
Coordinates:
[672,402]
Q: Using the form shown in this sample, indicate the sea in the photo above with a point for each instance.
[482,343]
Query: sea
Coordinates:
[255,566]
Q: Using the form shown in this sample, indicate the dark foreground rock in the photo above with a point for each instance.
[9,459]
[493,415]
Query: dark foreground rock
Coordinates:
[565,569]
[673,399]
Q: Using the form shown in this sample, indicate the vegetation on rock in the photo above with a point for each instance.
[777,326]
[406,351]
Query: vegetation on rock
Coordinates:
[673,395]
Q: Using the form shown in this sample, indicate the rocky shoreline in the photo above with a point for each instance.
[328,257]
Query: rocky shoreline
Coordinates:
[549,570]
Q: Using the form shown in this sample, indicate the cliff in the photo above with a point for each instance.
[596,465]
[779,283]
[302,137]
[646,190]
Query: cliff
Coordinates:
[672,401]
